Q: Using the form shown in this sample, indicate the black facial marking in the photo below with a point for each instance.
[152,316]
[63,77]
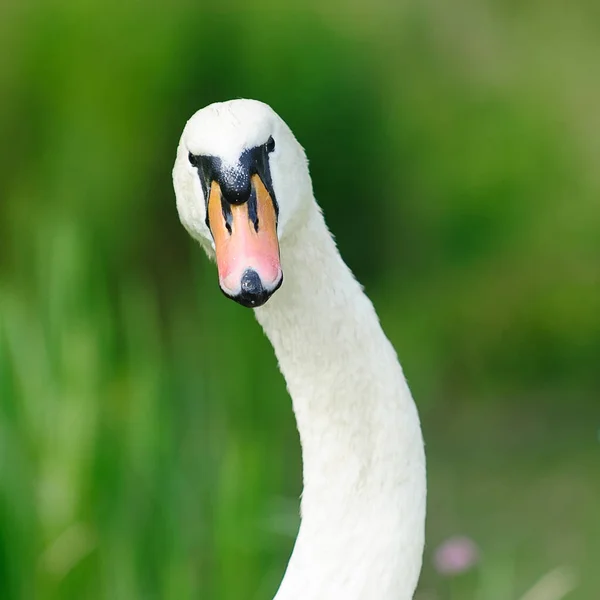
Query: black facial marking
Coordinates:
[235,180]
[253,209]
[227,216]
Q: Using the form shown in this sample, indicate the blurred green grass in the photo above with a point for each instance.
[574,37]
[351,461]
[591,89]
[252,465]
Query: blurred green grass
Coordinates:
[147,445]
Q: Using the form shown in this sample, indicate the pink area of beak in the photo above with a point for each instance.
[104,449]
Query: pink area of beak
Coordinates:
[245,249]
[244,245]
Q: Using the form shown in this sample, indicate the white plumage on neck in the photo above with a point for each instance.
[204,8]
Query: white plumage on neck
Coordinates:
[363,504]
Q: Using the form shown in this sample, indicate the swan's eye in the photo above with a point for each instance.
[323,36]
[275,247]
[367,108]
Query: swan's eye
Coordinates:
[193,159]
[270,145]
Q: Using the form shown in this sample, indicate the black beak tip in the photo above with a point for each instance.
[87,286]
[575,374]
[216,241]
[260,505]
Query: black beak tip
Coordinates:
[252,293]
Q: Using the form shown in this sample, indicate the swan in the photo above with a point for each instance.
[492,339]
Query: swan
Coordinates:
[244,192]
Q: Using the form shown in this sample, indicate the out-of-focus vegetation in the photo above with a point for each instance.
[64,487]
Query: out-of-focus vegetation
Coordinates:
[147,445]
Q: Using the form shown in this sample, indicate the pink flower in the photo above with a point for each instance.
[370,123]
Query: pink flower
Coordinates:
[456,555]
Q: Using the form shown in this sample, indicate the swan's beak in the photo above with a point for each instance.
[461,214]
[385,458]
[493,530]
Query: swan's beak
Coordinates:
[246,244]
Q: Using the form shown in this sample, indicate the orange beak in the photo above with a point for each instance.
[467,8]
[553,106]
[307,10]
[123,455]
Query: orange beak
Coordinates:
[246,244]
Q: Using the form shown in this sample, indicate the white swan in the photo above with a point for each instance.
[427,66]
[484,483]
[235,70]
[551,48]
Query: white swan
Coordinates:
[244,192]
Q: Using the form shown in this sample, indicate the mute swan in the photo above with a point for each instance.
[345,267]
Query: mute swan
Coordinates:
[244,192]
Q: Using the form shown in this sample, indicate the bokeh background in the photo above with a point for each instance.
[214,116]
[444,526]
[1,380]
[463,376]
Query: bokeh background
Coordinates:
[147,445]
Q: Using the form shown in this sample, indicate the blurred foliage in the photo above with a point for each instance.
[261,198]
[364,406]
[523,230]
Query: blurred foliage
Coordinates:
[147,445]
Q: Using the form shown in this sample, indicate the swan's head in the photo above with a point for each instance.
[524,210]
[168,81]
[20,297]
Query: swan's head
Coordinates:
[241,182]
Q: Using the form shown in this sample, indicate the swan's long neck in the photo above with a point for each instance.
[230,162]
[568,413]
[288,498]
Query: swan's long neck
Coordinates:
[363,504]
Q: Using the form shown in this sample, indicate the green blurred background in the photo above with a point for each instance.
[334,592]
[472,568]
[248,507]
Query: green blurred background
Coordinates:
[147,445]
